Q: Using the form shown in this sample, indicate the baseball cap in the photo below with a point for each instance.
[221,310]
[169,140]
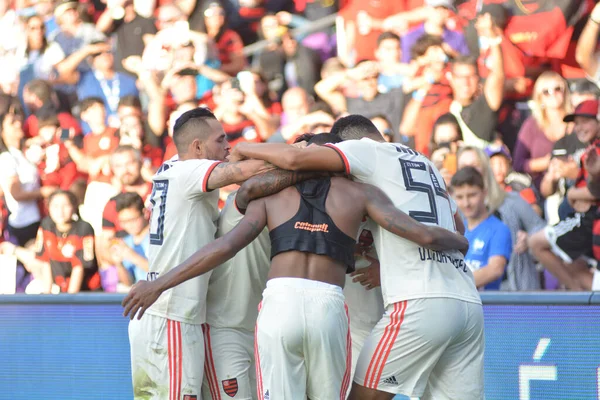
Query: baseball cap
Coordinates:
[588,108]
[449,4]
[495,150]
[63,6]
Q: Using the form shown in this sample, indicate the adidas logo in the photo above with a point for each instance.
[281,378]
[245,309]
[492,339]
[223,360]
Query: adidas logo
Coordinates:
[266,396]
[391,380]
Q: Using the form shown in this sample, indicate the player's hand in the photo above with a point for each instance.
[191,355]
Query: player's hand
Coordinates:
[235,155]
[521,243]
[369,276]
[141,296]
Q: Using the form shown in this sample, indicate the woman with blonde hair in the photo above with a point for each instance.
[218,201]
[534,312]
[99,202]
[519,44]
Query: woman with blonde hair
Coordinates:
[516,213]
[550,103]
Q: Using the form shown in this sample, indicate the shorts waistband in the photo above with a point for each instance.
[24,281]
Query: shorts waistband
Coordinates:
[301,283]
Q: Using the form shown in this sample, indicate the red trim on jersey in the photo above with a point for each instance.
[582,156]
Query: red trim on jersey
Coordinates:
[259,383]
[175,358]
[341,154]
[210,170]
[209,365]
[346,379]
[384,347]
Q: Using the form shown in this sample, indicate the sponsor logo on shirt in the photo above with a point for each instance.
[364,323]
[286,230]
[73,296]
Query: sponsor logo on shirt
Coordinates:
[306,226]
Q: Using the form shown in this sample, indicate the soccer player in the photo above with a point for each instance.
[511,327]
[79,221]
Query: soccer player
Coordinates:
[302,338]
[429,342]
[167,350]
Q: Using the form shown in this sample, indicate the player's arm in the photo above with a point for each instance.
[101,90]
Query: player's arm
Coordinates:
[228,173]
[143,294]
[381,210]
[312,158]
[269,183]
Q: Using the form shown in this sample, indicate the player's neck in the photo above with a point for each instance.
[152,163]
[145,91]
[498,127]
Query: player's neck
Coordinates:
[474,222]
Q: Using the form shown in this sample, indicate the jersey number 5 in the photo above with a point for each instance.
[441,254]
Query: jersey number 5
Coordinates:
[431,187]
[157,221]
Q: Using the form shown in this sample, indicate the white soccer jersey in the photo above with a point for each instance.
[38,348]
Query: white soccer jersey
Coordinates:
[235,288]
[416,187]
[184,217]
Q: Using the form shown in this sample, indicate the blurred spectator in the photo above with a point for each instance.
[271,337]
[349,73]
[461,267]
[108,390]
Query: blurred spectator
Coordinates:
[384,127]
[245,108]
[475,109]
[64,259]
[521,219]
[490,243]
[509,180]
[171,150]
[446,138]
[586,54]
[431,92]
[48,151]
[131,133]
[40,98]
[228,42]
[290,64]
[388,53]
[102,81]
[582,90]
[551,102]
[130,254]
[20,180]
[453,43]
[39,57]
[371,101]
[131,30]
[153,124]
[11,35]
[297,117]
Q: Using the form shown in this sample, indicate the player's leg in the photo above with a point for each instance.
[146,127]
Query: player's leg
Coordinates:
[166,358]
[557,245]
[328,345]
[458,373]
[403,349]
[279,340]
[149,358]
[228,364]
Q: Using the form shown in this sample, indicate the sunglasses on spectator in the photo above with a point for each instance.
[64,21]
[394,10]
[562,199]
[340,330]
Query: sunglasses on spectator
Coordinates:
[554,90]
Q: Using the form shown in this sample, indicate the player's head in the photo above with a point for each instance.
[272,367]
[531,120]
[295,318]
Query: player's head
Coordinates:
[130,212]
[356,127]
[318,139]
[468,190]
[199,135]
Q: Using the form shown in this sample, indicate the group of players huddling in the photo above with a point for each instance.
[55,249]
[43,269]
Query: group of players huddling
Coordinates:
[261,313]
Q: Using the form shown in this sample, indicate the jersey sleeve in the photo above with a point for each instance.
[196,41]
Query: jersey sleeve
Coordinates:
[501,243]
[359,157]
[230,216]
[195,176]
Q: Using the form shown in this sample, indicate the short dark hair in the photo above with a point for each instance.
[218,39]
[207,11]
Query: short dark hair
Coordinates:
[355,127]
[190,125]
[423,44]
[447,119]
[41,89]
[48,120]
[325,137]
[386,36]
[466,60]
[70,196]
[85,104]
[467,176]
[127,200]
[130,101]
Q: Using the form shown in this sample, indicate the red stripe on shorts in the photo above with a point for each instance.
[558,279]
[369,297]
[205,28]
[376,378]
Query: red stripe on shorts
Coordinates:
[209,368]
[384,347]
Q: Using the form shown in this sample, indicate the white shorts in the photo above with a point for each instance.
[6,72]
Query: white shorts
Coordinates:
[167,359]
[596,281]
[302,341]
[428,348]
[229,369]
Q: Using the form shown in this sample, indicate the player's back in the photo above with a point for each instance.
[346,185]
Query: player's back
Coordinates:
[235,288]
[416,187]
[184,215]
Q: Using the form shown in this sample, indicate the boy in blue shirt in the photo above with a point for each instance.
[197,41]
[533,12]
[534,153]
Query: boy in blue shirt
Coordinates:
[490,243]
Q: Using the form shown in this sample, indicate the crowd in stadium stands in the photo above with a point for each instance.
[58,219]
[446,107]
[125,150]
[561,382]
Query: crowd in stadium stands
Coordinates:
[90,91]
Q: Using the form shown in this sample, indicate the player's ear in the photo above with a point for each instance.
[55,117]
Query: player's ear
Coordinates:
[196,147]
